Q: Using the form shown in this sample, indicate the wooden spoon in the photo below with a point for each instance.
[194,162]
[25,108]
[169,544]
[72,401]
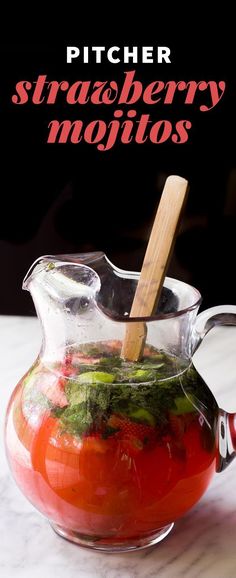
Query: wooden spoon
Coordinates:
[158,253]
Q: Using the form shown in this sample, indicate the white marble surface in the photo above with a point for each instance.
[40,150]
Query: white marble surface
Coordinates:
[202,544]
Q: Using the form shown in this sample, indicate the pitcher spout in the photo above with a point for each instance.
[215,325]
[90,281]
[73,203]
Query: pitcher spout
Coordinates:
[64,294]
[51,262]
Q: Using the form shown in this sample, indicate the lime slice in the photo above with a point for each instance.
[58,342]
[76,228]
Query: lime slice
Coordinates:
[142,415]
[183,405]
[94,377]
[141,375]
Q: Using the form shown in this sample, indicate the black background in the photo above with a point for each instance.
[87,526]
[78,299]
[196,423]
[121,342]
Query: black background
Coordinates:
[71,198]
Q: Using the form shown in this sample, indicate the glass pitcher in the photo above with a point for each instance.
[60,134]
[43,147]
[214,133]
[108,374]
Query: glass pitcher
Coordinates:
[113,451]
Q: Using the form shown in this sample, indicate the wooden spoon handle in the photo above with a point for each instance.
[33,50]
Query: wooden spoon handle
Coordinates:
[155,263]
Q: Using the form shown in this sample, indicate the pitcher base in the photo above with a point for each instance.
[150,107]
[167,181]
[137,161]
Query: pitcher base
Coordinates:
[111,545]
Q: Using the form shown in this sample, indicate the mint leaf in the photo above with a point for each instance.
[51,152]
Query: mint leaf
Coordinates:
[76,419]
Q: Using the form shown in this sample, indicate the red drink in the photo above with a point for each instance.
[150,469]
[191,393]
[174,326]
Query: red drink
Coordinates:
[112,451]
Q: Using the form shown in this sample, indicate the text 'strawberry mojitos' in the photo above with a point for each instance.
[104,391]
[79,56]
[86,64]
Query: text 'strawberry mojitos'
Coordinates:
[112,452]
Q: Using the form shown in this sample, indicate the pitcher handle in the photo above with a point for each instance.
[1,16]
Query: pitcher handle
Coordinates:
[215,316]
[221,315]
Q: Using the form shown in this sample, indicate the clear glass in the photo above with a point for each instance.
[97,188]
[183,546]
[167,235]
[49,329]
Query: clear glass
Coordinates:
[112,452]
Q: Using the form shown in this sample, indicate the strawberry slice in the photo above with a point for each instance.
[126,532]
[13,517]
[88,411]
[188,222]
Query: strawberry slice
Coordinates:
[68,371]
[133,431]
[78,357]
[87,360]
[68,359]
[112,346]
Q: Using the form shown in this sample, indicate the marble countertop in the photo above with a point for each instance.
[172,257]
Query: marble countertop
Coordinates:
[203,542]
